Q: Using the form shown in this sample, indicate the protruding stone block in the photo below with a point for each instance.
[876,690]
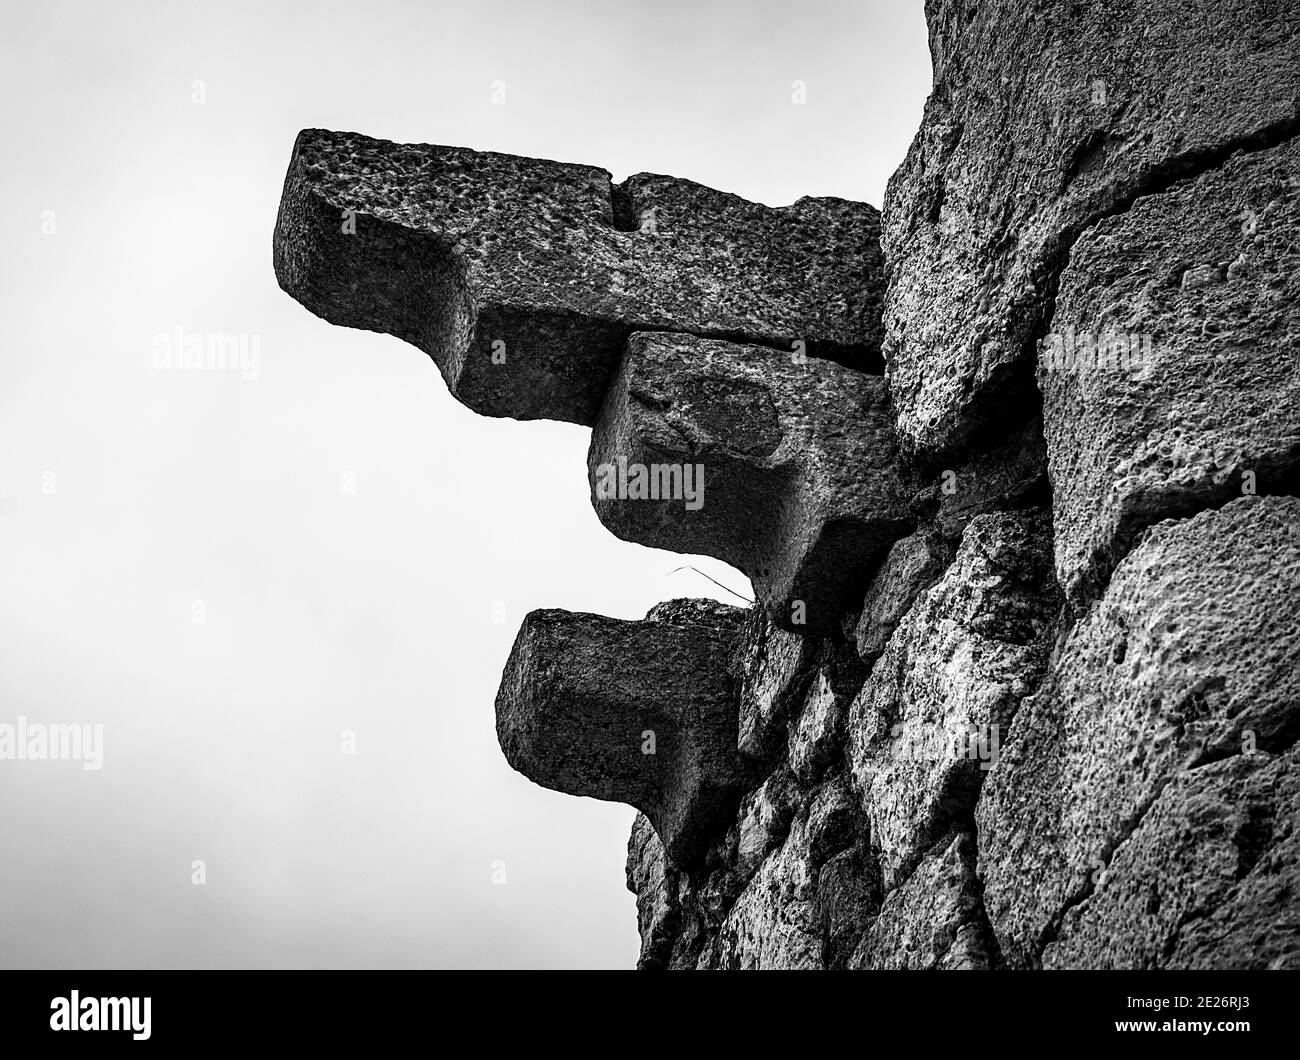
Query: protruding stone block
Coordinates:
[522,278]
[636,712]
[1171,379]
[784,467]
[1153,681]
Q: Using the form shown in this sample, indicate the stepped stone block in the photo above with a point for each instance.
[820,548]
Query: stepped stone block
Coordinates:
[643,713]
[1044,118]
[783,467]
[522,278]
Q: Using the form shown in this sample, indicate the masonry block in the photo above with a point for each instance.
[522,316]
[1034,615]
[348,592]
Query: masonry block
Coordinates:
[784,467]
[643,713]
[1044,119]
[522,278]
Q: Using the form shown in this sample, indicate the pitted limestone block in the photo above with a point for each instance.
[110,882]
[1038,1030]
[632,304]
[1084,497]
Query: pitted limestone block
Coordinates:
[522,277]
[1208,879]
[773,669]
[848,895]
[912,566]
[833,819]
[934,920]
[636,712]
[658,912]
[1044,118]
[817,735]
[1192,397]
[776,921]
[1150,682]
[929,723]
[784,468]
[764,819]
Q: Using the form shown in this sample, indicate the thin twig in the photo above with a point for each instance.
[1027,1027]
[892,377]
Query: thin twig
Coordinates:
[714,580]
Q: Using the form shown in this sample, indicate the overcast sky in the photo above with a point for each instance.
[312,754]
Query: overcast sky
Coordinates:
[181,560]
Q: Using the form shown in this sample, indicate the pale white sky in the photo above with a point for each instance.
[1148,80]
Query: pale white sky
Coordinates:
[126,494]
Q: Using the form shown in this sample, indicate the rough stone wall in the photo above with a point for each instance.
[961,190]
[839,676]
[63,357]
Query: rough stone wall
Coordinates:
[1018,496]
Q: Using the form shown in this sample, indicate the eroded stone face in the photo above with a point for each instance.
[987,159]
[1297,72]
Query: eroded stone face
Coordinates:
[522,278]
[1188,657]
[911,566]
[783,467]
[930,721]
[775,923]
[773,669]
[1173,379]
[637,712]
[1208,879]
[813,895]
[1045,118]
[935,920]
[655,886]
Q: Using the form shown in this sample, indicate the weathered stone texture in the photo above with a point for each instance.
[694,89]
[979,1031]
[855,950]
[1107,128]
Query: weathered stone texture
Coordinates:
[801,484]
[928,724]
[817,736]
[1044,118]
[582,694]
[1194,397]
[915,751]
[1210,877]
[773,669]
[912,566]
[812,897]
[775,923]
[934,920]
[467,254]
[658,913]
[1152,681]
[764,820]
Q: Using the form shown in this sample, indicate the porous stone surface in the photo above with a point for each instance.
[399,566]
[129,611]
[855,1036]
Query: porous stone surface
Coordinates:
[522,278]
[912,566]
[817,736]
[635,712]
[775,923]
[773,669]
[1190,656]
[935,920]
[1173,379]
[654,883]
[1045,118]
[1209,878]
[810,899]
[1019,688]
[929,723]
[793,471]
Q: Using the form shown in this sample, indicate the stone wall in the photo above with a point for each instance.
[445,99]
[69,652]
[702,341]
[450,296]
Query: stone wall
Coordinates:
[1013,468]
